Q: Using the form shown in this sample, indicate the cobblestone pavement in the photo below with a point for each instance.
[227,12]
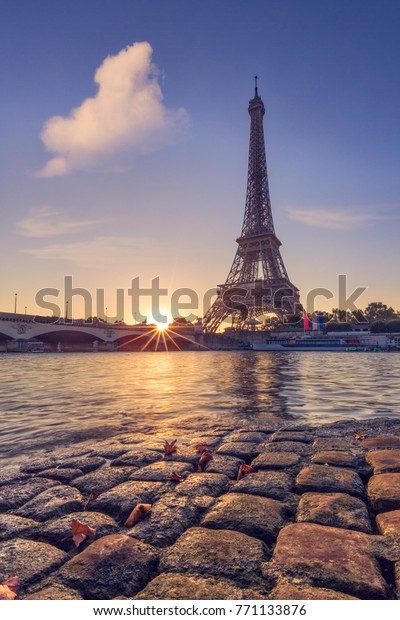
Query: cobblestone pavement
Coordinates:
[318,518]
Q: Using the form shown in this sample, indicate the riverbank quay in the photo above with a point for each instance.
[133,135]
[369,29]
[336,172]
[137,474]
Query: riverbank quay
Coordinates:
[318,518]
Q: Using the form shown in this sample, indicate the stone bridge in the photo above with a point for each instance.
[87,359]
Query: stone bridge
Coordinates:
[21,329]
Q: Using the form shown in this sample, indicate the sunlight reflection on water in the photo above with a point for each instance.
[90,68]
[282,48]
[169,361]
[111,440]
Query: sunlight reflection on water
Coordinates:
[44,395]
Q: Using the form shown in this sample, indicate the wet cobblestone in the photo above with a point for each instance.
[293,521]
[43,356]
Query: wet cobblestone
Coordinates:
[317,518]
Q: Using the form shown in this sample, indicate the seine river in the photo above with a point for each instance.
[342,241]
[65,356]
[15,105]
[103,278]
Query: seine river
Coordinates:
[60,397]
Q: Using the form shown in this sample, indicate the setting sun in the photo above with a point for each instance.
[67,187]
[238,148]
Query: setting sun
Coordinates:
[162,326]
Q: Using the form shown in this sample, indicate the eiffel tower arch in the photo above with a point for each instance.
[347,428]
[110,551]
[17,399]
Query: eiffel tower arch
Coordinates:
[257,283]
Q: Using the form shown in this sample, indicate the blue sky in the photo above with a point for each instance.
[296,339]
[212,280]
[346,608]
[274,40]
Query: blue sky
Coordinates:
[153,183]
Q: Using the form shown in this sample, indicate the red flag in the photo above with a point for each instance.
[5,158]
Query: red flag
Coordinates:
[306,320]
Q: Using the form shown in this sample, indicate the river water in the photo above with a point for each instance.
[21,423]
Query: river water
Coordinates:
[47,398]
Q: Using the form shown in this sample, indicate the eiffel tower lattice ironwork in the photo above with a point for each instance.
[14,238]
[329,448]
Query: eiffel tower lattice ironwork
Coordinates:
[258,283]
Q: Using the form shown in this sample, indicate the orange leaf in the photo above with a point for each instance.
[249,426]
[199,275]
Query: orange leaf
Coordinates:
[80,531]
[91,497]
[8,590]
[202,446]
[175,477]
[169,448]
[140,512]
[244,470]
[360,436]
[205,457]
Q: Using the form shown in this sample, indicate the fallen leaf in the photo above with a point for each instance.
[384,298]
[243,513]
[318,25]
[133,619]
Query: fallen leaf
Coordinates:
[175,477]
[91,497]
[244,470]
[140,512]
[169,448]
[80,531]
[360,436]
[8,589]
[201,447]
[205,457]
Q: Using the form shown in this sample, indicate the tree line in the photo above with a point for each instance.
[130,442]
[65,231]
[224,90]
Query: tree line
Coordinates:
[377,316]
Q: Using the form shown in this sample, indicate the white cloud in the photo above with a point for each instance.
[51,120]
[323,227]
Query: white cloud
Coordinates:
[102,252]
[337,220]
[126,113]
[48,222]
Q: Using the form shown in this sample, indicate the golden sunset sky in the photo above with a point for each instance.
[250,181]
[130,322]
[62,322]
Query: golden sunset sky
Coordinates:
[125,140]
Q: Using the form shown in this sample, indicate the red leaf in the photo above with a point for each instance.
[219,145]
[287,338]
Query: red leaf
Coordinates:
[202,446]
[169,448]
[8,589]
[244,470]
[80,531]
[175,477]
[205,457]
[140,512]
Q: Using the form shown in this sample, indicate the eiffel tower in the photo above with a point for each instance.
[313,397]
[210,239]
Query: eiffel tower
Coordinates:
[258,283]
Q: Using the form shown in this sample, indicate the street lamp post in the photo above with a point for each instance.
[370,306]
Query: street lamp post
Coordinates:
[15,302]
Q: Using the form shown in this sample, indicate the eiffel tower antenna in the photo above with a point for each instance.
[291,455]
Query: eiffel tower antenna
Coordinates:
[257,283]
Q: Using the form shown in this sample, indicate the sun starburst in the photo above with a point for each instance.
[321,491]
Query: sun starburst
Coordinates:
[161,334]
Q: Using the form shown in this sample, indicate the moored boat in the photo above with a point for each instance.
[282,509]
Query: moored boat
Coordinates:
[304,344]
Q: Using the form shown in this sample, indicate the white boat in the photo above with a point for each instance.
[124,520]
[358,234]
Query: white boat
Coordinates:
[36,347]
[304,344]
